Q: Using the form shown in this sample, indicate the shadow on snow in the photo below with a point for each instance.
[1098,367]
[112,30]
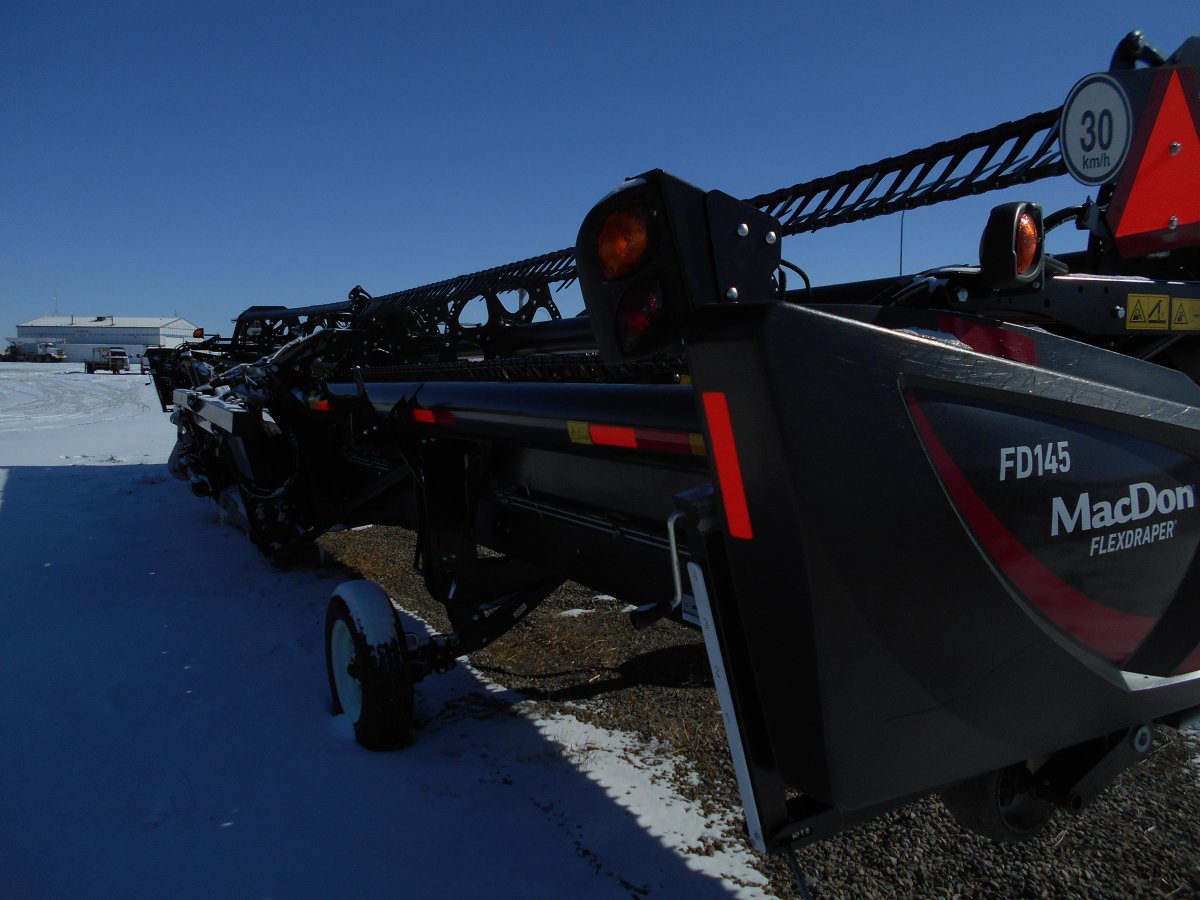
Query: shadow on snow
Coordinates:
[168,730]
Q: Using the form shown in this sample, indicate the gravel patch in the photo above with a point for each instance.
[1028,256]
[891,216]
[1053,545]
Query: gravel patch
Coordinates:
[577,654]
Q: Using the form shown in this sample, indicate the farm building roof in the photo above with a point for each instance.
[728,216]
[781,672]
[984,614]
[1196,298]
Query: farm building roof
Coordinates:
[106,322]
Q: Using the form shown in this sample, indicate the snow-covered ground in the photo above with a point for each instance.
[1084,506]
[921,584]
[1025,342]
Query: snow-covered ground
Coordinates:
[166,717]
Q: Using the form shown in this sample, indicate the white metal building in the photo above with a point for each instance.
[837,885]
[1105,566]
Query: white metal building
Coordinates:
[82,334]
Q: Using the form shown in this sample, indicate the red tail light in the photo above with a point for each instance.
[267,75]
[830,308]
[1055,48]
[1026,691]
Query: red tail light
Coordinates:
[640,314]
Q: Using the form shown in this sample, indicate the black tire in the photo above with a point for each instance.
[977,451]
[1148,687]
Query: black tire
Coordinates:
[999,805]
[369,681]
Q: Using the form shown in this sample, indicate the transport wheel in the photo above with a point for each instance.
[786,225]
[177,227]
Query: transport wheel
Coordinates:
[366,659]
[999,805]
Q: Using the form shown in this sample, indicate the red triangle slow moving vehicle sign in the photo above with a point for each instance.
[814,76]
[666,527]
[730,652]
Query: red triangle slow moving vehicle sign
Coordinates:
[1156,203]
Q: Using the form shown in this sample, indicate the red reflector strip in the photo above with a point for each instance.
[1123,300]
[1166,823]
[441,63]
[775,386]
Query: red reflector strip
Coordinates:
[318,405]
[433,417]
[613,436]
[631,438]
[729,469]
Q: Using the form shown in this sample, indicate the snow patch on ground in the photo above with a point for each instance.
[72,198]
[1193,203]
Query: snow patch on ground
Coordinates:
[638,778]
[167,721]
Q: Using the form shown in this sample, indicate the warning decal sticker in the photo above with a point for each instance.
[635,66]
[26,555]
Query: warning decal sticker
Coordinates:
[1185,315]
[1161,312]
[1148,312]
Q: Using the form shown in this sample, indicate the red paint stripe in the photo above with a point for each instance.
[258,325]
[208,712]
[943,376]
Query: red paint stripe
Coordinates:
[613,436]
[663,441]
[1191,664]
[729,468]
[1111,632]
[991,340]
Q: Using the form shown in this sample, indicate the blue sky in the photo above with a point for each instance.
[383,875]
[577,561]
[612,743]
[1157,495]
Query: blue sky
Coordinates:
[157,159]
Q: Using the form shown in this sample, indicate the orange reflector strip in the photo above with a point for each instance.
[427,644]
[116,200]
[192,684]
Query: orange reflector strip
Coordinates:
[613,436]
[729,469]
[1026,242]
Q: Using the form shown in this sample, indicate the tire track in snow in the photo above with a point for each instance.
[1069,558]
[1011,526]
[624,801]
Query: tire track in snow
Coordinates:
[32,398]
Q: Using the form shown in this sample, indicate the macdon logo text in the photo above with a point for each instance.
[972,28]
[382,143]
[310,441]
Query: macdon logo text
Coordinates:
[1142,501]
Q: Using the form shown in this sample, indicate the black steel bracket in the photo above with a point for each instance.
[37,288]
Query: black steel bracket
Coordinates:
[1074,777]
[484,596]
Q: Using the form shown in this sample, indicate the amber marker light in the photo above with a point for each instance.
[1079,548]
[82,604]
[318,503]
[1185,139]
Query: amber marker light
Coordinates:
[1026,243]
[622,243]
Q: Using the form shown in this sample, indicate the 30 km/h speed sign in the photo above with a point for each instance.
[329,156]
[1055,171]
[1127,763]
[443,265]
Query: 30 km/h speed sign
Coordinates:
[1095,129]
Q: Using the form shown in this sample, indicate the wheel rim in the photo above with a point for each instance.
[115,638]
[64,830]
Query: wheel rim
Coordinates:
[342,656]
[1020,811]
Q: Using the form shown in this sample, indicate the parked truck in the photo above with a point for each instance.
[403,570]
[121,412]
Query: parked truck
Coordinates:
[36,351]
[939,530]
[107,359]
